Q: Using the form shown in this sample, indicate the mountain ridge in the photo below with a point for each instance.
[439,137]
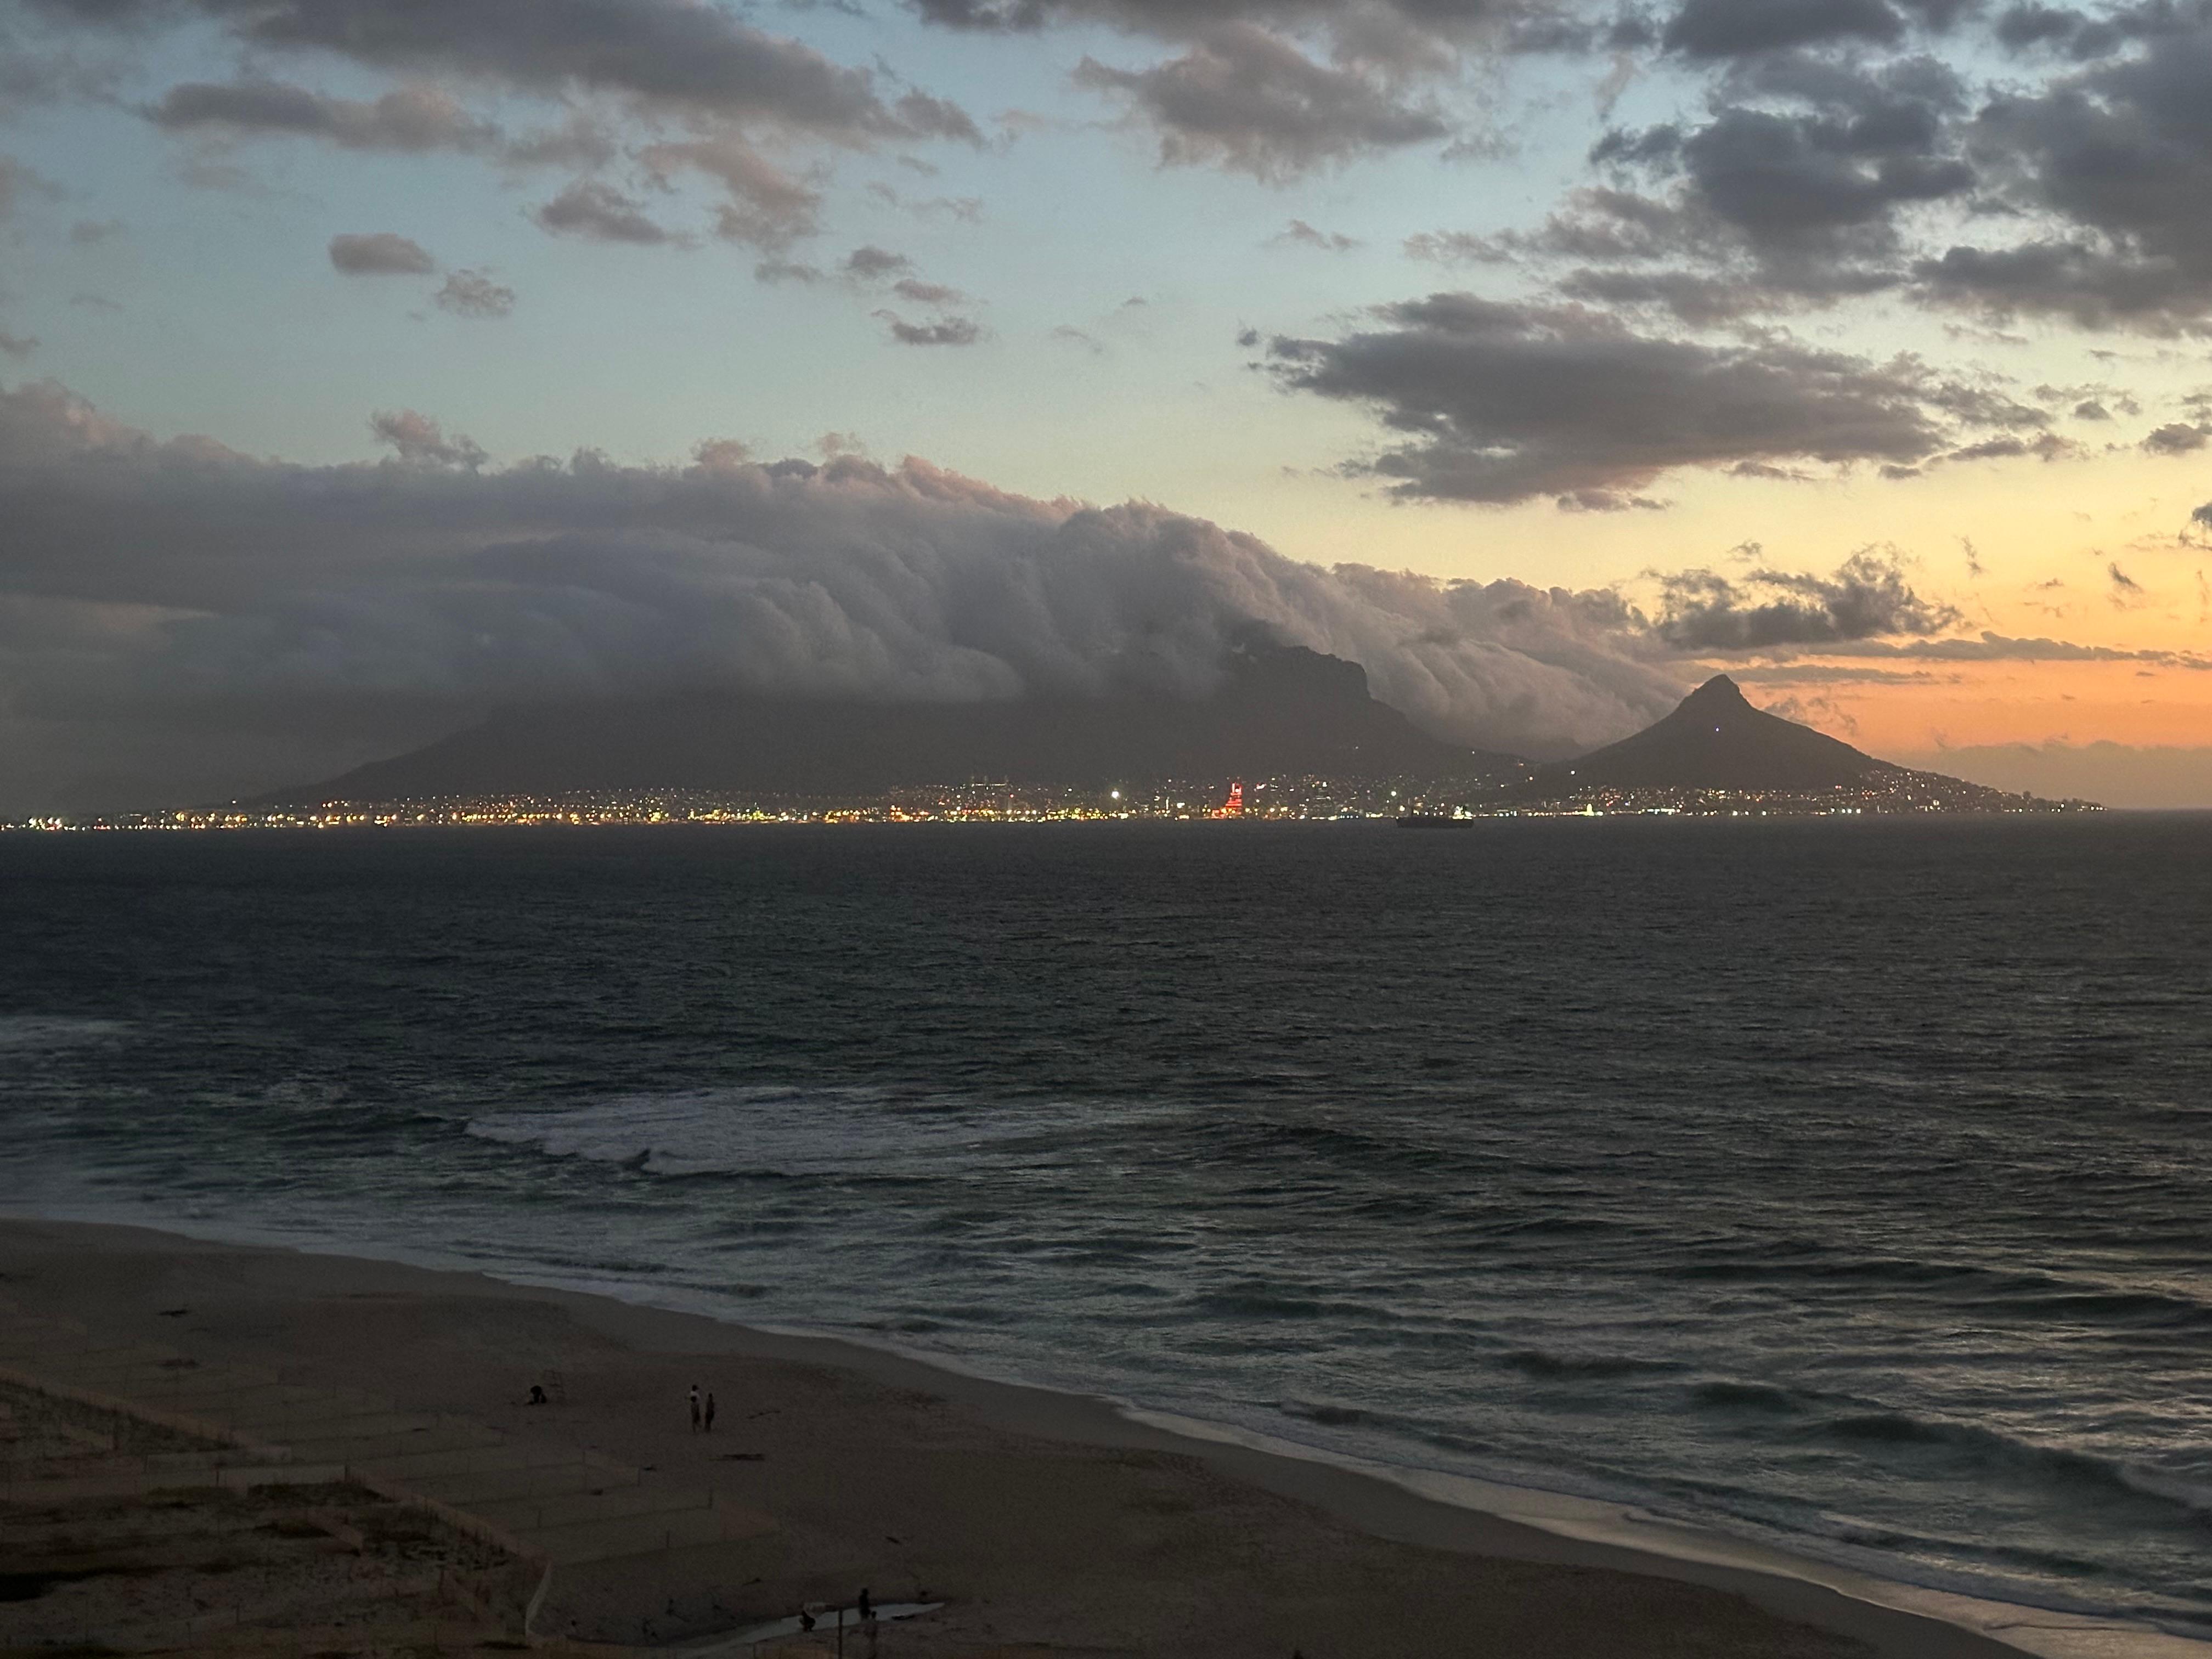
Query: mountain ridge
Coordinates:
[1280,710]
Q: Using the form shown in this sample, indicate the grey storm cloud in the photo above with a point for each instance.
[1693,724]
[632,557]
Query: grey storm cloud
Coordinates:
[1866,597]
[2115,159]
[1251,101]
[1801,186]
[407,118]
[1838,156]
[1732,29]
[380,254]
[1798,190]
[1501,403]
[263,620]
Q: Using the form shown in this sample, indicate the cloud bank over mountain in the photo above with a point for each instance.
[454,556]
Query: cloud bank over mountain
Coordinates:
[263,612]
[182,621]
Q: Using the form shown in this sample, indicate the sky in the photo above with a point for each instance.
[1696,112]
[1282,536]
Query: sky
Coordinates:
[366,365]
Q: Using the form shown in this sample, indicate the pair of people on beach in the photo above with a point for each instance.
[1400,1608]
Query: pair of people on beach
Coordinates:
[702,1410]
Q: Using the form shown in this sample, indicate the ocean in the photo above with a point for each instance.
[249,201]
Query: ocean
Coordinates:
[1844,1185]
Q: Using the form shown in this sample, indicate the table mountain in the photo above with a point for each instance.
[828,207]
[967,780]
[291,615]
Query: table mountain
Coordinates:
[1280,711]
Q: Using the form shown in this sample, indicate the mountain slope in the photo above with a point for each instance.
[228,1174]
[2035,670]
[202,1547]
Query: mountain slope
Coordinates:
[1280,711]
[1716,740]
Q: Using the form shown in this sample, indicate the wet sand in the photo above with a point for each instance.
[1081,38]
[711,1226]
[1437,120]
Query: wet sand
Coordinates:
[1043,1521]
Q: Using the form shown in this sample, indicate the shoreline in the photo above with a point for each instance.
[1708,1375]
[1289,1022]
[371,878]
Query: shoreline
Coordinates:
[1484,1523]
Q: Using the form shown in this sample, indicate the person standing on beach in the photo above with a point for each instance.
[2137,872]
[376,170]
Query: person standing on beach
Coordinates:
[710,1411]
[694,1409]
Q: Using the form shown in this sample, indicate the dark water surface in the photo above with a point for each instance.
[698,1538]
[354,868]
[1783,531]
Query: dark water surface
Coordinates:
[1844,1184]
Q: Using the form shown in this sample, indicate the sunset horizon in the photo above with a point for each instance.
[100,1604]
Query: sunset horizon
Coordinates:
[1544,360]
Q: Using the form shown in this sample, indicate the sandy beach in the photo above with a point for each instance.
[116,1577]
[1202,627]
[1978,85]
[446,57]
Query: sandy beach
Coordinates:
[1042,1522]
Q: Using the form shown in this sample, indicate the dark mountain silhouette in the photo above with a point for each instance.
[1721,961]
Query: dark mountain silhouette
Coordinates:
[1717,740]
[1282,711]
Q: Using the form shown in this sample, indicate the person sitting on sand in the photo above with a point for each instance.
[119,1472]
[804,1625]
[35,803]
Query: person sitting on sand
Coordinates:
[538,1394]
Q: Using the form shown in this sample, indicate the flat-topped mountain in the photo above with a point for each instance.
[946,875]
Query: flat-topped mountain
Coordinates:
[1717,740]
[1280,711]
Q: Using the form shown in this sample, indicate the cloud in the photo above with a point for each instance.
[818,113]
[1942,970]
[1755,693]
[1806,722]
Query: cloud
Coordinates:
[2178,438]
[1501,402]
[1406,37]
[1252,102]
[18,345]
[1732,29]
[1703,611]
[1299,234]
[678,83]
[871,263]
[408,119]
[213,623]
[1797,191]
[380,254]
[940,332]
[1990,647]
[2011,447]
[788,271]
[417,438]
[927,294]
[678,58]
[472,293]
[2109,166]
[599,213]
[766,208]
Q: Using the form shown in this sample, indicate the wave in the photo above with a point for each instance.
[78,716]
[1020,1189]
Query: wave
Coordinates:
[1987,1290]
[754,1132]
[57,1031]
[1540,1362]
[1992,1448]
[1726,1394]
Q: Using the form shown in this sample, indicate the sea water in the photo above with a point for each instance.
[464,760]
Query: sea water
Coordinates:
[1843,1185]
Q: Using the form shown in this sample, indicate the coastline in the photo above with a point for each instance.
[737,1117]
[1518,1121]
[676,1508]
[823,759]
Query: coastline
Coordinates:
[436,1337]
